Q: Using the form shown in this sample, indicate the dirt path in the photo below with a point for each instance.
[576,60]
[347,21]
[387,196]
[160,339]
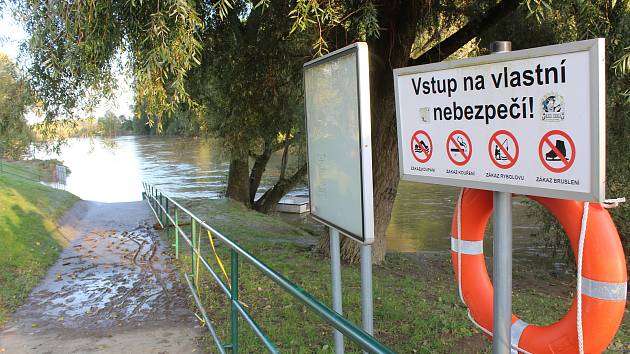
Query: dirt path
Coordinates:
[111,291]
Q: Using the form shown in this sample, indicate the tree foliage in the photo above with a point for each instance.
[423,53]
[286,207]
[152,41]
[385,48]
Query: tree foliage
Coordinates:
[564,21]
[250,86]
[15,99]
[74,45]
[233,66]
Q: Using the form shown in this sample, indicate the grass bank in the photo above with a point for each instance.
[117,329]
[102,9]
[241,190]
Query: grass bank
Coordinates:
[29,239]
[416,306]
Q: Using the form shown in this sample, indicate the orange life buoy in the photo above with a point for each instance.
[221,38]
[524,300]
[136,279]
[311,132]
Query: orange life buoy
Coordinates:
[604,275]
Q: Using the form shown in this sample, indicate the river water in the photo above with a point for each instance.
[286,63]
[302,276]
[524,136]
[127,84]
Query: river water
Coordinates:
[111,170]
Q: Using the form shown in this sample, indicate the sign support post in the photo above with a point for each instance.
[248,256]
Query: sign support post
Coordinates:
[367,310]
[337,300]
[502,256]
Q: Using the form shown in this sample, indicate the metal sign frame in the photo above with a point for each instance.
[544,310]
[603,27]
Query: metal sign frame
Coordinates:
[597,97]
[359,49]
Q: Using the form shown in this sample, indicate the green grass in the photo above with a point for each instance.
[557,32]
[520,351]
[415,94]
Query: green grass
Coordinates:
[416,306]
[29,239]
[36,170]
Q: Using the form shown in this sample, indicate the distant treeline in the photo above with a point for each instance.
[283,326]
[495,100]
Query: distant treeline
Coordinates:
[110,125]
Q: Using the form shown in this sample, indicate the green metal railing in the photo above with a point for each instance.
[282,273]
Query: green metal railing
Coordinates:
[168,213]
[11,169]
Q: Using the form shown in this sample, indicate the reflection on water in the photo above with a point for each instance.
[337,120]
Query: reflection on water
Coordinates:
[188,168]
[422,218]
[101,173]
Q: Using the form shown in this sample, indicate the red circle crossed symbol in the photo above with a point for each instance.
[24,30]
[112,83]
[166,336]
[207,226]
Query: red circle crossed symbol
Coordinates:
[503,149]
[553,152]
[458,147]
[421,146]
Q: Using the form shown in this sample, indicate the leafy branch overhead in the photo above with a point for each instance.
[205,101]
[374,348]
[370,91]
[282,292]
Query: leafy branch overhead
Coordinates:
[74,46]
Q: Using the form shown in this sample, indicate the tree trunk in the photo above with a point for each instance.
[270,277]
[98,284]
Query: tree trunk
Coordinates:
[272,196]
[398,20]
[472,29]
[260,165]
[238,177]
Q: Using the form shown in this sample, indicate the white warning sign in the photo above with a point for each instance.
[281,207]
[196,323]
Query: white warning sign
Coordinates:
[528,122]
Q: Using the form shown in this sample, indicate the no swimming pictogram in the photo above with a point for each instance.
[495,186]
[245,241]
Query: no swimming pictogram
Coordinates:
[458,147]
[421,146]
[556,151]
[503,149]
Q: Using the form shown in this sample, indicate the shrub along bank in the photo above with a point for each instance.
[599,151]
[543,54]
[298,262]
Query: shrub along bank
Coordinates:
[29,239]
[416,306]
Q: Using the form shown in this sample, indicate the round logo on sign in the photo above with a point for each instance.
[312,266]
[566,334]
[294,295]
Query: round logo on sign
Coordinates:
[503,149]
[458,147]
[556,151]
[421,146]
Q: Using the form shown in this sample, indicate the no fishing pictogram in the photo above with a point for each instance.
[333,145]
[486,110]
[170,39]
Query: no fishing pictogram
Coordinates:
[421,146]
[503,149]
[458,147]
[556,151]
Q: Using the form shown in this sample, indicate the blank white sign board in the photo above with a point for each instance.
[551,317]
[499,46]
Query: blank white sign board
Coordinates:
[337,100]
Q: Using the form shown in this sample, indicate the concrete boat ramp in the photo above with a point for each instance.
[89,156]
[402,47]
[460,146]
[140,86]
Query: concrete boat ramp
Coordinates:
[113,290]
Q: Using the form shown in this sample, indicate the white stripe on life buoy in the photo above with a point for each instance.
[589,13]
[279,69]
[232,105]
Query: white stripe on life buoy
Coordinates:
[604,290]
[468,247]
[515,333]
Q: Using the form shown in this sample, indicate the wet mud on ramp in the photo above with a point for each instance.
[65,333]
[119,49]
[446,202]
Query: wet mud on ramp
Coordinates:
[113,290]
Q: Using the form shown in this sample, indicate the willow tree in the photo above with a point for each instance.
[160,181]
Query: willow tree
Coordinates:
[250,85]
[564,21]
[235,58]
[394,30]
[402,33]
[74,46]
[15,98]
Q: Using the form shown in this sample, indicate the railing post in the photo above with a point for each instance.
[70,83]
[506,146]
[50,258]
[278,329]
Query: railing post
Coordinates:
[161,211]
[193,224]
[176,228]
[234,296]
[167,211]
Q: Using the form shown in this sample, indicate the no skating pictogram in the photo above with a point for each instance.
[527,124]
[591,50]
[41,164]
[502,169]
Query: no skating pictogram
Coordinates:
[458,147]
[556,151]
[503,149]
[421,146]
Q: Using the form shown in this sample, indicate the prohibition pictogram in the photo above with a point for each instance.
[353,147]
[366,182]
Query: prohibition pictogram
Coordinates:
[556,151]
[421,146]
[458,147]
[503,149]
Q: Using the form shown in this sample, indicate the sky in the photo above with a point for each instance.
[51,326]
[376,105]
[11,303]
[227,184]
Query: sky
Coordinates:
[12,34]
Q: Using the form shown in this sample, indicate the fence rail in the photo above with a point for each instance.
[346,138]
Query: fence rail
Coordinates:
[168,213]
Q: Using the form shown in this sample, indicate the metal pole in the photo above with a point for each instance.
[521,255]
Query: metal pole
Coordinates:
[193,249]
[161,210]
[167,211]
[176,229]
[502,272]
[502,257]
[367,310]
[337,301]
[234,296]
